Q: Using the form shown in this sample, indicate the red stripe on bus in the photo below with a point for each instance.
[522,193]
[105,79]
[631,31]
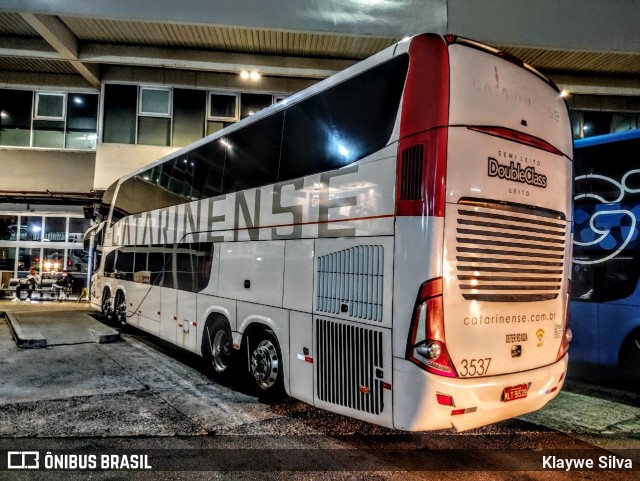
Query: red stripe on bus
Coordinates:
[350,219]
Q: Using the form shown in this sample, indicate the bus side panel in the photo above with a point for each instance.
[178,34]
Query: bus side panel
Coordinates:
[418,258]
[252,271]
[168,314]
[301,356]
[354,279]
[186,327]
[298,275]
[353,369]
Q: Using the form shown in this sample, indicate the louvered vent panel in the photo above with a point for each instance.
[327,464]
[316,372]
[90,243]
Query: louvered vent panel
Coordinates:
[509,254]
[350,281]
[411,182]
[348,358]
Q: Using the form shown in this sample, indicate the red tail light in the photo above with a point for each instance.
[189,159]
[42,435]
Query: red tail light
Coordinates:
[516,136]
[567,335]
[426,346]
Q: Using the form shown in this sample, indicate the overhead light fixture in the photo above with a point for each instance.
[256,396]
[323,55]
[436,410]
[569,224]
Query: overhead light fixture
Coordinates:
[253,75]
[564,93]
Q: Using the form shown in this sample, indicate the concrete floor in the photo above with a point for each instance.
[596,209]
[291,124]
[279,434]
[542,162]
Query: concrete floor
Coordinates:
[143,393]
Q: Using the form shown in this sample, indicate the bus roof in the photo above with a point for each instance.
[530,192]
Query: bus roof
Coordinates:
[607,138]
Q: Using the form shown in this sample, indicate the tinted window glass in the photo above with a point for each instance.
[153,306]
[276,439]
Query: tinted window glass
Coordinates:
[7,259]
[48,133]
[154,131]
[77,227]
[55,229]
[344,123]
[124,265]
[253,103]
[82,121]
[120,113]
[109,263]
[156,263]
[15,122]
[188,116]
[253,154]
[32,230]
[209,163]
[8,227]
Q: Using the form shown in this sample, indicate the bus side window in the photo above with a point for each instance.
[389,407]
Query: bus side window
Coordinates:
[156,264]
[109,263]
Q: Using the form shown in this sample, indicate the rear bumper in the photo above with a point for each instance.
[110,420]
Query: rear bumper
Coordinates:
[415,407]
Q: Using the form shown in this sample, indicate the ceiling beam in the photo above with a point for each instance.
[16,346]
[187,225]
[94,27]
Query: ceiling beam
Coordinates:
[275,65]
[64,42]
[596,85]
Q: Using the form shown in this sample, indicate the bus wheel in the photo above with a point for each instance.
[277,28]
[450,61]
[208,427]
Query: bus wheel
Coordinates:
[120,310]
[105,305]
[630,353]
[217,348]
[265,365]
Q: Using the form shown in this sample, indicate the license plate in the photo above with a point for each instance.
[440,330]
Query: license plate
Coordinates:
[512,393]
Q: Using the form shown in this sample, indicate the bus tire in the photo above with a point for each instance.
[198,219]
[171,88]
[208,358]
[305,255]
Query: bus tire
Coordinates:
[119,315]
[266,365]
[217,348]
[630,354]
[105,304]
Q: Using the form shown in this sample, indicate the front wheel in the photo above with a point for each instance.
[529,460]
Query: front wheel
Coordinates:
[120,310]
[217,348]
[105,304]
[265,365]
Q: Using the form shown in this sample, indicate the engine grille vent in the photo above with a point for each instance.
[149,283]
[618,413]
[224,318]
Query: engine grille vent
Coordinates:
[411,182]
[349,366]
[350,281]
[509,254]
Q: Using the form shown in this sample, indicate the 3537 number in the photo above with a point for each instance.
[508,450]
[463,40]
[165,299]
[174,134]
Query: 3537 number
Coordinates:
[474,367]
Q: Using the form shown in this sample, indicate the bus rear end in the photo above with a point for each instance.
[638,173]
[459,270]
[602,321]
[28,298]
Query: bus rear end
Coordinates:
[489,334]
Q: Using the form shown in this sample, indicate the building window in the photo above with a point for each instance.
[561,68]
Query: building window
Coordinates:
[48,243]
[253,103]
[82,121]
[167,116]
[55,229]
[154,116]
[53,120]
[15,117]
[32,230]
[50,106]
[155,102]
[223,106]
[8,227]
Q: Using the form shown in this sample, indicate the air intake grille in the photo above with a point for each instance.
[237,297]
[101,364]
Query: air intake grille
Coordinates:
[350,281]
[509,254]
[411,182]
[349,366]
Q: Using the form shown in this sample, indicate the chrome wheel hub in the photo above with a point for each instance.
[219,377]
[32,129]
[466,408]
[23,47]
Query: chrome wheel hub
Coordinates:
[265,364]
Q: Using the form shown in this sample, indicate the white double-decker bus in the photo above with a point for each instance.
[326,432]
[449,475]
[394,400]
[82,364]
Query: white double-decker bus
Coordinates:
[391,244]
